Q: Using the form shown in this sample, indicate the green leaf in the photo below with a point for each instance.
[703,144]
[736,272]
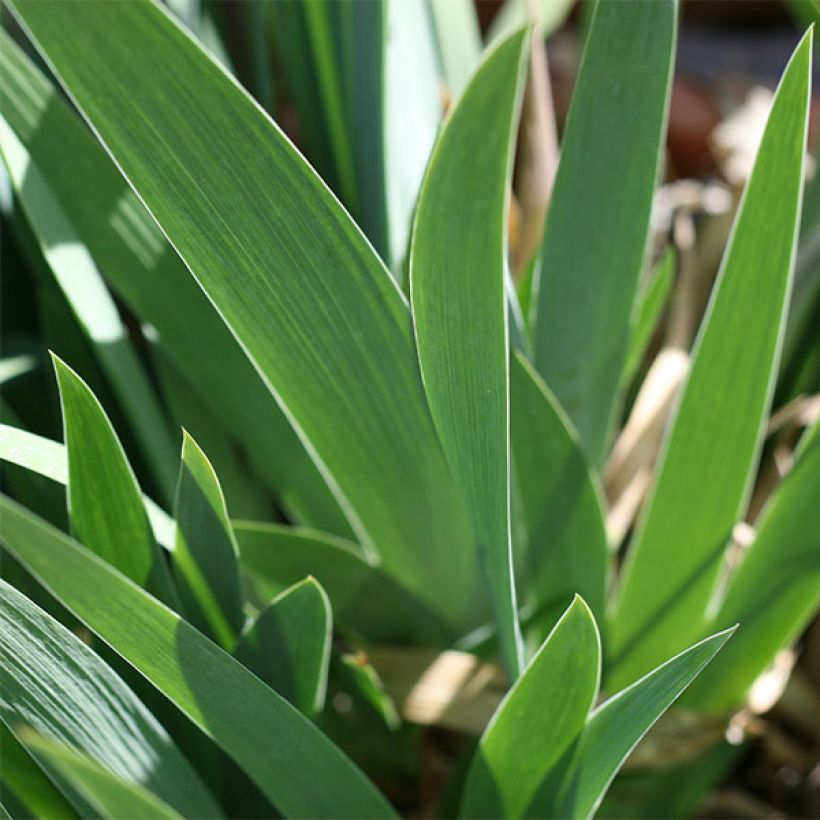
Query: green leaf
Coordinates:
[58,686]
[81,283]
[363,597]
[300,771]
[615,727]
[537,721]
[547,14]
[460,311]
[566,549]
[31,786]
[595,238]
[110,794]
[288,645]
[104,501]
[48,458]
[775,591]
[205,562]
[651,303]
[709,458]
[146,272]
[262,217]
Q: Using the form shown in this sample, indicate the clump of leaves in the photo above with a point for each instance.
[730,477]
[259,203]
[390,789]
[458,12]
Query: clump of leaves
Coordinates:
[375,461]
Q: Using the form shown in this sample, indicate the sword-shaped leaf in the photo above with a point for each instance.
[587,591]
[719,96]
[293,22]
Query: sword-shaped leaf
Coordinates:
[457,285]
[287,269]
[708,462]
[596,233]
[300,771]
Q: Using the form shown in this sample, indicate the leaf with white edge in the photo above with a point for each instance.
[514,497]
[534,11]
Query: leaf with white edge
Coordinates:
[363,597]
[205,560]
[595,237]
[288,645]
[566,550]
[49,459]
[262,218]
[708,462]
[459,305]
[459,40]
[147,274]
[54,683]
[104,500]
[616,726]
[775,591]
[111,795]
[301,772]
[537,721]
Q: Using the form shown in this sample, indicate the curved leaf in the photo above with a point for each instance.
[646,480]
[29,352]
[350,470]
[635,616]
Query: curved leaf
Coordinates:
[288,645]
[287,269]
[205,562]
[300,771]
[58,686]
[595,237]
[459,305]
[708,461]
[537,721]
[104,501]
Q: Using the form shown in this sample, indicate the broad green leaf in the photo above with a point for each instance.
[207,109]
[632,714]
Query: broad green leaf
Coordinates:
[110,794]
[459,40]
[651,303]
[300,771]
[566,549]
[363,597]
[82,285]
[59,687]
[288,271]
[104,501]
[709,458]
[288,645]
[537,721]
[142,267]
[596,233]
[205,560]
[31,786]
[48,458]
[775,591]
[615,727]
[457,286]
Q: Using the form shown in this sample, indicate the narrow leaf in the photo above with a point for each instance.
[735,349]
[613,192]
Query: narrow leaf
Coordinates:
[291,247]
[566,550]
[301,772]
[459,40]
[104,501]
[616,727]
[457,284]
[110,794]
[710,454]
[596,233]
[538,719]
[146,272]
[775,591]
[205,560]
[288,645]
[54,683]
